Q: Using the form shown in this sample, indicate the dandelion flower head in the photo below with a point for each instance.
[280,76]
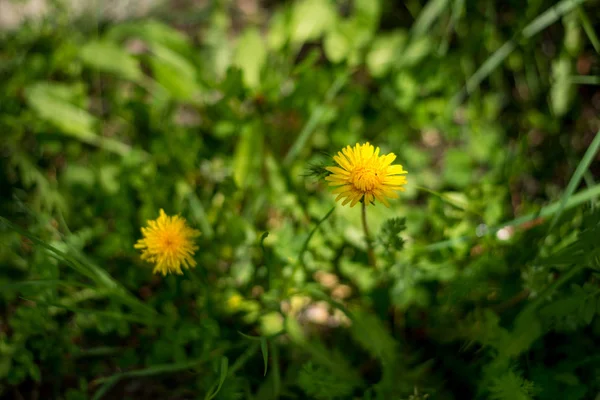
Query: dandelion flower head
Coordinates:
[365,175]
[168,243]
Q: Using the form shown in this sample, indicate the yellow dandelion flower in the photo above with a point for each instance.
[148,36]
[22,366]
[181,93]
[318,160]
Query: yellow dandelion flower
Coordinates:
[168,243]
[364,174]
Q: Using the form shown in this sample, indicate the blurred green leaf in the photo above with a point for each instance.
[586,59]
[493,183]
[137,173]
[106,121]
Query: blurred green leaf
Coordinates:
[562,90]
[385,52]
[336,46]
[176,74]
[250,56]
[109,57]
[265,353]
[49,100]
[432,10]
[311,19]
[152,32]
[109,178]
[222,377]
[247,157]
[457,168]
[415,51]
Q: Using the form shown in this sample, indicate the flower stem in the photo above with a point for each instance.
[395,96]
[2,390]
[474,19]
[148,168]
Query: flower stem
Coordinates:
[370,250]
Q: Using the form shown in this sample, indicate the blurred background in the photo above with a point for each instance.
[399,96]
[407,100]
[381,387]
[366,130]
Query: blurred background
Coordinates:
[225,112]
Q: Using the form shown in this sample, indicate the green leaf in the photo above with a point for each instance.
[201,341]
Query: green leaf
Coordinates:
[250,56]
[336,46]
[311,19]
[53,103]
[589,29]
[76,174]
[511,386]
[152,32]
[384,52]
[109,57]
[428,15]
[222,377]
[582,167]
[562,91]
[416,51]
[174,72]
[265,353]
[367,12]
[279,27]
[109,178]
[589,310]
[50,103]
[247,156]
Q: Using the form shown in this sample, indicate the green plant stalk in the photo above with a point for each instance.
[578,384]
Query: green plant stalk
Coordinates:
[300,262]
[585,80]
[370,250]
[311,234]
[582,167]
[541,22]
[109,381]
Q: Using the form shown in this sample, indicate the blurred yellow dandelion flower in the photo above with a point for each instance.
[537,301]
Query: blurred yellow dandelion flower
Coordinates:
[234,302]
[168,243]
[365,174]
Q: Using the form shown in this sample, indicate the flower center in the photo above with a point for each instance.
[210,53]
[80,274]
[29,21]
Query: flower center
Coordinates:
[170,241]
[365,178]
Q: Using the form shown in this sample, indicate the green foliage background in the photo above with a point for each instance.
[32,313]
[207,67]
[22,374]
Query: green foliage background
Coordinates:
[486,285]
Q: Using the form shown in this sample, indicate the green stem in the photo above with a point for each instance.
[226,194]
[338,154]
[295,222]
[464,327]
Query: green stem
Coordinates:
[370,250]
[310,235]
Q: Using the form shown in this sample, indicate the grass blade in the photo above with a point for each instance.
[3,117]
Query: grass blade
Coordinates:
[589,29]
[88,269]
[581,169]
[53,250]
[585,80]
[432,10]
[550,16]
[106,387]
[484,71]
[222,377]
[314,120]
[265,353]
[457,9]
[241,360]
[545,19]
[311,234]
[110,381]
